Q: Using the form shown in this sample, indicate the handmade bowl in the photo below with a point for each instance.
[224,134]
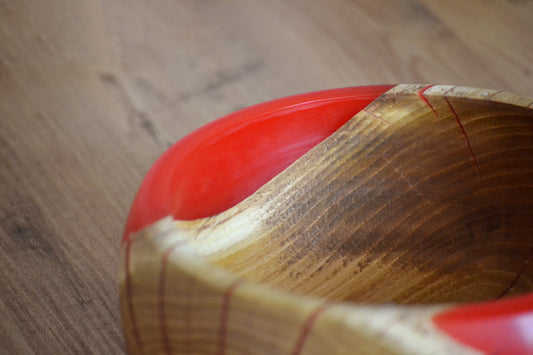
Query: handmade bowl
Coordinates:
[367,220]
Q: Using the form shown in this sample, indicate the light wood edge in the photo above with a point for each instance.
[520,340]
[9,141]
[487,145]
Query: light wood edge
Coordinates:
[339,328]
[373,329]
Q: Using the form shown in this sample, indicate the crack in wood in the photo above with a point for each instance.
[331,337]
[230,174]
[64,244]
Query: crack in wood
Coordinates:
[518,275]
[465,136]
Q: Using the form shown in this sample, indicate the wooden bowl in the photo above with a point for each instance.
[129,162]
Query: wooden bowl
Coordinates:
[373,220]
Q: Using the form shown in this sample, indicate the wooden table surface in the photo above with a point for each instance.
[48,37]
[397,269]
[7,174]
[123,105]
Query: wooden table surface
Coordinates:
[92,93]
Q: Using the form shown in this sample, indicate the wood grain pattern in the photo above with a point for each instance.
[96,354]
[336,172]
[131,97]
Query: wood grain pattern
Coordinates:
[91,94]
[422,198]
[257,319]
[351,214]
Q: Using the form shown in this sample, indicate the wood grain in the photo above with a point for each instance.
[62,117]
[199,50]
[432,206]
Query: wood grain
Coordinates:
[211,311]
[422,198]
[91,94]
[413,201]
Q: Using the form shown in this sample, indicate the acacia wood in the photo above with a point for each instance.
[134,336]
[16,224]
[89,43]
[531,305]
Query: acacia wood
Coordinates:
[92,93]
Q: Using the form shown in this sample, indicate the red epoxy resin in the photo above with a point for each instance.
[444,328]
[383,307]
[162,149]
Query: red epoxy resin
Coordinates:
[222,163]
[503,327]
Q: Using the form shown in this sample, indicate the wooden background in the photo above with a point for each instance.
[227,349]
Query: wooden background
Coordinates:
[92,93]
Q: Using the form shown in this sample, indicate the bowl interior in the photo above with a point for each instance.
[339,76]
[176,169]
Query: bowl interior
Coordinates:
[423,210]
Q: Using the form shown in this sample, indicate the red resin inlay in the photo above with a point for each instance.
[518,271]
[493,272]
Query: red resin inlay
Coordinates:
[504,327]
[421,94]
[306,330]
[224,314]
[161,295]
[465,136]
[222,163]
